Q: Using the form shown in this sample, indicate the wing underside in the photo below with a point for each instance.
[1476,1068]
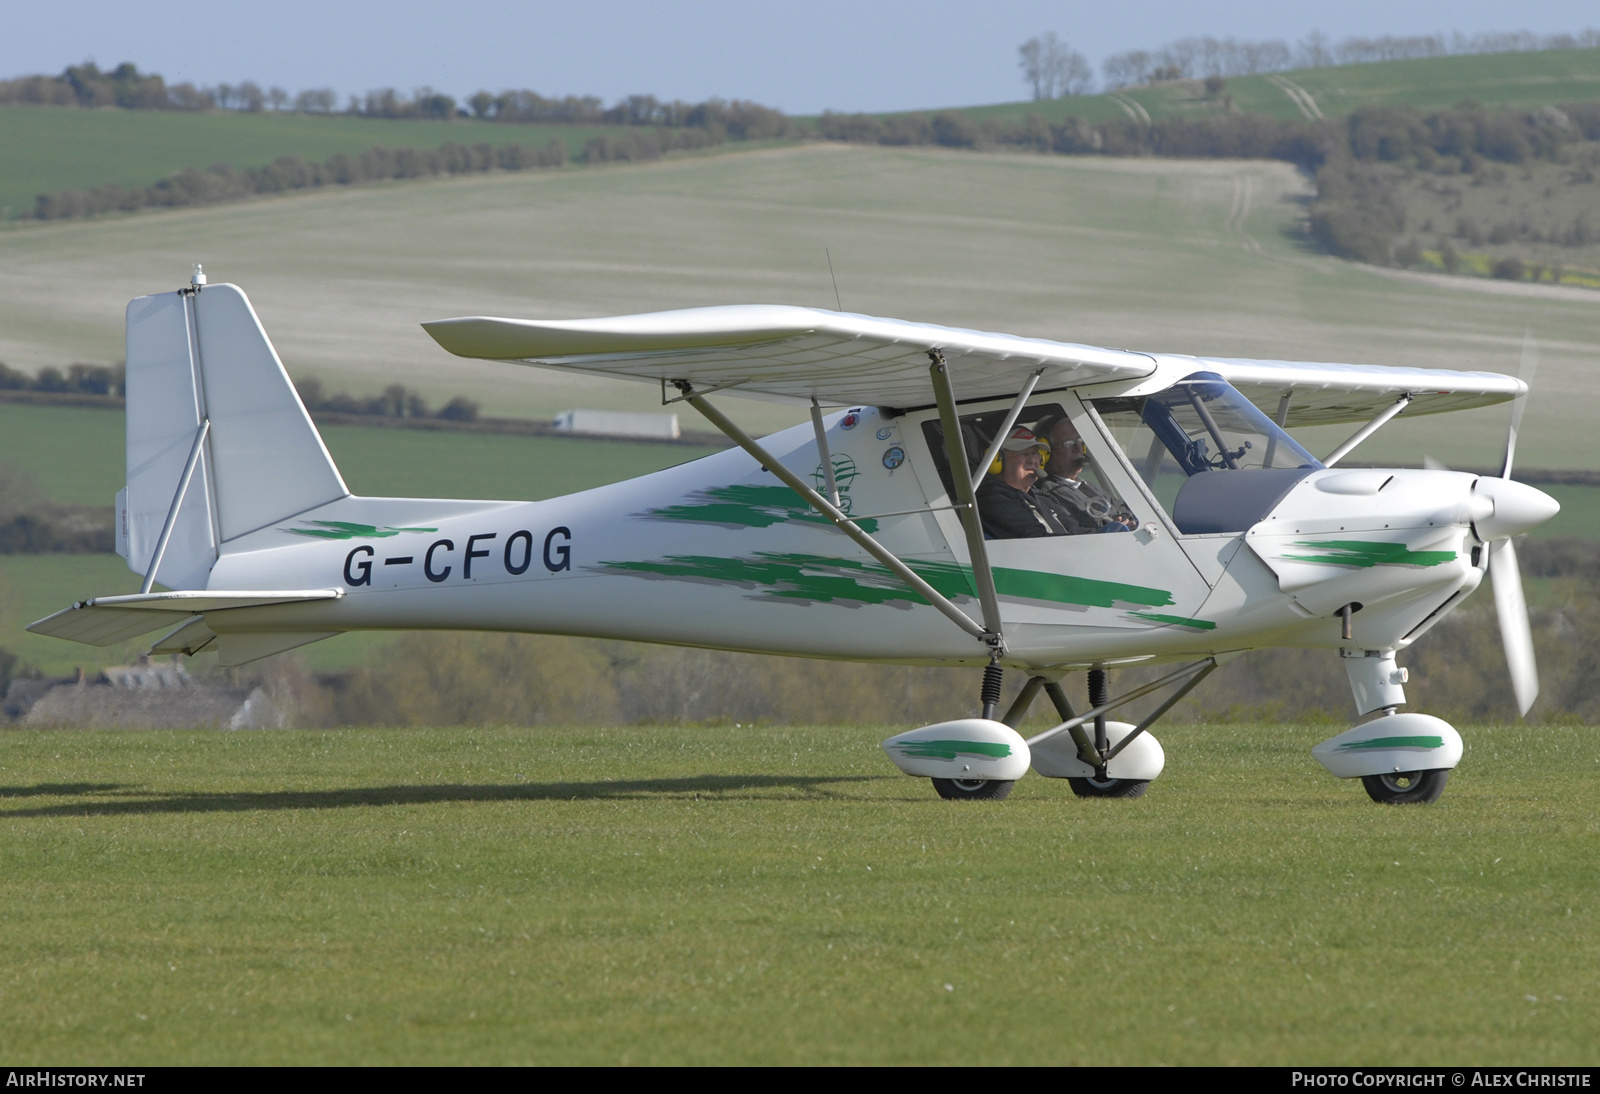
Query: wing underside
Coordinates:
[794,354]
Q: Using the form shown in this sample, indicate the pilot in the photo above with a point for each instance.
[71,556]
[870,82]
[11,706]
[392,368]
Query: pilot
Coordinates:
[1008,503]
[1092,509]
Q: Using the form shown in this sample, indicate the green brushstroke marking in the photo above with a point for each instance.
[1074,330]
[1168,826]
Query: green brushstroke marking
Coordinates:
[744,506]
[1392,742]
[343,529]
[825,580]
[1364,553]
[1065,589]
[1178,620]
[949,750]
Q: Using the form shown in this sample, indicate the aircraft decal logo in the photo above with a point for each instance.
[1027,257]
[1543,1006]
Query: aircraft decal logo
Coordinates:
[844,473]
[343,529]
[1364,554]
[1407,744]
[746,506]
[850,582]
[949,750]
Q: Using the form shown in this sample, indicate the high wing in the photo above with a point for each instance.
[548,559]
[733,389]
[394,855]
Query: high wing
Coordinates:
[792,354]
[789,354]
[1325,394]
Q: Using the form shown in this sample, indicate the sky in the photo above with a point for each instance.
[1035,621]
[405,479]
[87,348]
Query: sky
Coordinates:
[849,55]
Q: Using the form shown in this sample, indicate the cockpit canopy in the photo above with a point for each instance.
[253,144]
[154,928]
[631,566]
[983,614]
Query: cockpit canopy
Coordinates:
[1177,438]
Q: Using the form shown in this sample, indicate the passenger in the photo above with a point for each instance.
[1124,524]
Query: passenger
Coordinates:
[1092,509]
[1008,504]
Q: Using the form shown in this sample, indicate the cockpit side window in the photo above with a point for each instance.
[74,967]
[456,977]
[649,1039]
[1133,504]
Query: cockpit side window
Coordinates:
[1067,495]
[1199,425]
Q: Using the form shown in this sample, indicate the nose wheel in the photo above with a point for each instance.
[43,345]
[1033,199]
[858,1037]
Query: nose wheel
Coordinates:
[1108,788]
[1402,788]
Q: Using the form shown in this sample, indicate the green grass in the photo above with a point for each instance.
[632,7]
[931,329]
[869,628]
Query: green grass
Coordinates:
[706,895]
[59,148]
[1500,81]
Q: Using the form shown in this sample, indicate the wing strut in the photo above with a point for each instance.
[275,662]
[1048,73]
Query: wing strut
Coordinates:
[833,513]
[961,472]
[822,451]
[1367,430]
[1005,429]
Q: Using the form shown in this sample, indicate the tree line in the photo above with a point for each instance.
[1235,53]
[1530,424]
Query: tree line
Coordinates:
[222,182]
[1198,57]
[125,86]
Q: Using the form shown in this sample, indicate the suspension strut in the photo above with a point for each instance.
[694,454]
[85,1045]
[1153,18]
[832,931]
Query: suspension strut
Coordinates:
[993,677]
[1099,696]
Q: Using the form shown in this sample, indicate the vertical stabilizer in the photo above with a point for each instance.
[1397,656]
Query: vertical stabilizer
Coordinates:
[199,357]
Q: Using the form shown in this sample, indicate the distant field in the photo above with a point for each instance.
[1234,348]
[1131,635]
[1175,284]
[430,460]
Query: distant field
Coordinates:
[710,895]
[1199,257]
[76,457]
[57,148]
[1510,81]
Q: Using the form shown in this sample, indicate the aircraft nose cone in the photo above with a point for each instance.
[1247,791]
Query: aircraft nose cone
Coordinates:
[1517,508]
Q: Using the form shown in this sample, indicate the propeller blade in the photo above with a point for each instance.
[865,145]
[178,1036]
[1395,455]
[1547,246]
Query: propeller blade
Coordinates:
[1434,465]
[1516,634]
[1526,367]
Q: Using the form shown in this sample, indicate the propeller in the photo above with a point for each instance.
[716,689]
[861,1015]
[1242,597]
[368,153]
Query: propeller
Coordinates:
[1516,508]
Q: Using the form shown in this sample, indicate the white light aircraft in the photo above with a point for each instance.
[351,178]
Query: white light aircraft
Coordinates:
[915,525]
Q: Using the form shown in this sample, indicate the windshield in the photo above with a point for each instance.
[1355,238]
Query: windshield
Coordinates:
[1199,424]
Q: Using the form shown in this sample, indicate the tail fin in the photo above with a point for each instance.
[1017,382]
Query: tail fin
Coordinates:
[206,387]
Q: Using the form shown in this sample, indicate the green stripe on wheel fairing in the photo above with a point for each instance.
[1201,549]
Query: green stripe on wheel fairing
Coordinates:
[948,750]
[1392,742]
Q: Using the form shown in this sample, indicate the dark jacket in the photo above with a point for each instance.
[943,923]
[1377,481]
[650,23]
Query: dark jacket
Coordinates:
[1009,513]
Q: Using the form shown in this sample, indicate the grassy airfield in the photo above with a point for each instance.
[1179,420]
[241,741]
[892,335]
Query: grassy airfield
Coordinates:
[704,894]
[711,895]
[1178,256]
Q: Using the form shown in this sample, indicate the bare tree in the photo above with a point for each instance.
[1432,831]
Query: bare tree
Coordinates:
[1032,65]
[1053,68]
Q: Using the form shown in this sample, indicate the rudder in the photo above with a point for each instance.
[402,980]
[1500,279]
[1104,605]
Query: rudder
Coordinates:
[200,356]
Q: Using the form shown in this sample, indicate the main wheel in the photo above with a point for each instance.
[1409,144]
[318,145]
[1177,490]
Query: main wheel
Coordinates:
[1108,788]
[1404,787]
[974,789]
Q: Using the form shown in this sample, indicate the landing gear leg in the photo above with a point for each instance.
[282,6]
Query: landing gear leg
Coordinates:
[1101,785]
[993,678]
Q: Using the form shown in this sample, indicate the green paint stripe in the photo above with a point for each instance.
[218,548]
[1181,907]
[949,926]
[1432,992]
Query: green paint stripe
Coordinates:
[744,506]
[1178,620]
[1392,742]
[344,529]
[1066,589]
[819,578]
[948,750]
[1367,553]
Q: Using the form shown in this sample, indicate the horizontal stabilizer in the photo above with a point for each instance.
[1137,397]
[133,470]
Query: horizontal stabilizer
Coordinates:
[104,620]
